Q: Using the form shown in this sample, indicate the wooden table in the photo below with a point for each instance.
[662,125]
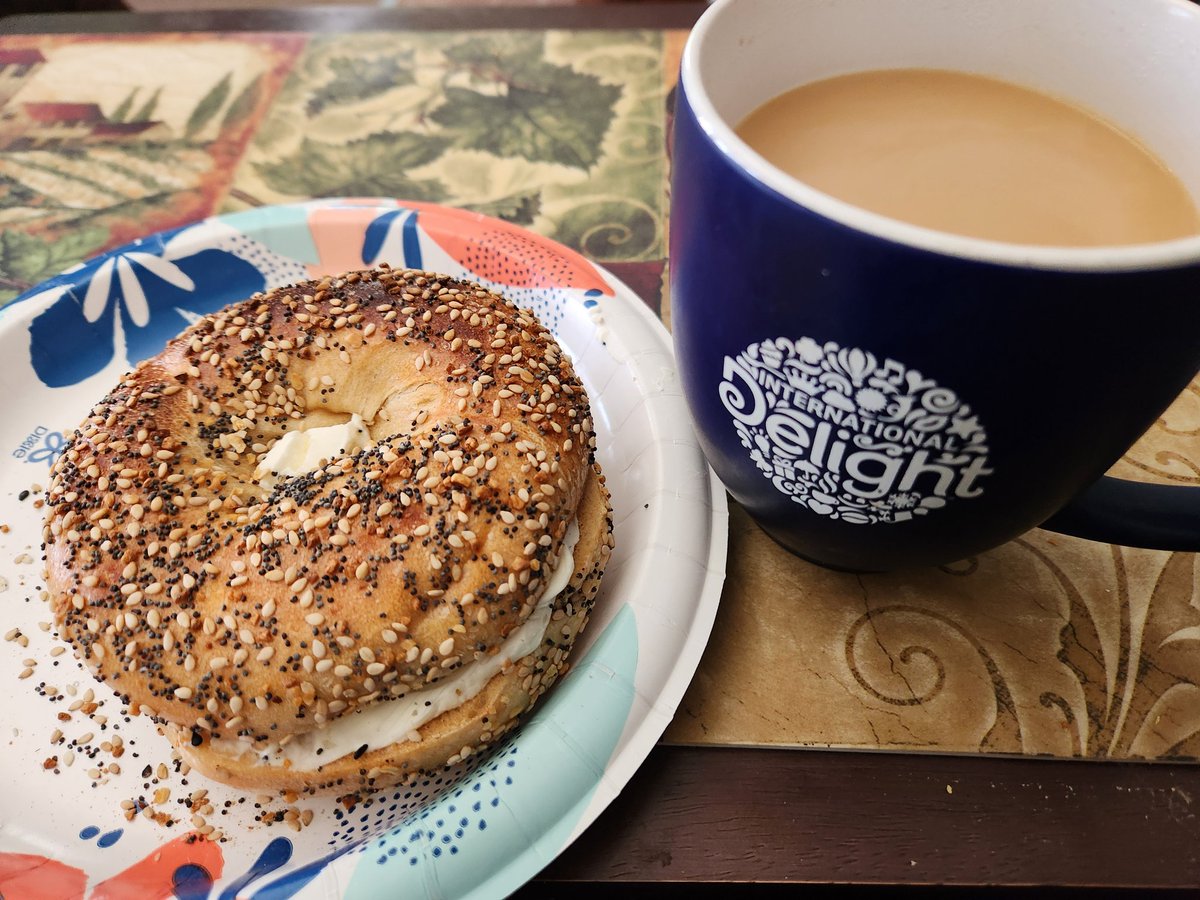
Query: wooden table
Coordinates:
[696,818]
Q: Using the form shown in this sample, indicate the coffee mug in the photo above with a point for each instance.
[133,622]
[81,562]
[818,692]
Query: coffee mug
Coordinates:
[879,395]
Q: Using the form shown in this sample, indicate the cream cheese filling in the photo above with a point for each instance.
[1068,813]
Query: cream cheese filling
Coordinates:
[298,452]
[398,720]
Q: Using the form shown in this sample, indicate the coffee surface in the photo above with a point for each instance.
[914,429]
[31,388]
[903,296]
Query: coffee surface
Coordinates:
[971,155]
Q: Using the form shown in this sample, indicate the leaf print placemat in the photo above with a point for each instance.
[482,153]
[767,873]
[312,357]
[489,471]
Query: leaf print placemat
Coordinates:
[1048,645]
[562,132]
[88,163]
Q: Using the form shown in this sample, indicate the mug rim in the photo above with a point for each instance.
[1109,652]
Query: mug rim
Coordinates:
[1173,253]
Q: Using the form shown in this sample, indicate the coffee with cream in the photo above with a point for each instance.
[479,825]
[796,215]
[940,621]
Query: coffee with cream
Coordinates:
[975,156]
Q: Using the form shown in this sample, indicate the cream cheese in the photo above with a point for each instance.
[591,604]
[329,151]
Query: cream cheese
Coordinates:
[298,452]
[397,720]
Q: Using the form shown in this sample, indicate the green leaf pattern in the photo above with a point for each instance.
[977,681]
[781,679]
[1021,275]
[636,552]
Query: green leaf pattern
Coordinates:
[146,113]
[559,131]
[26,259]
[360,78]
[209,105]
[519,104]
[376,165]
[121,113]
[520,209]
[66,200]
[243,104]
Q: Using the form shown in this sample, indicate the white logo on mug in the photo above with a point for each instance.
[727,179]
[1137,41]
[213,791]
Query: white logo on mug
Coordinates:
[850,436]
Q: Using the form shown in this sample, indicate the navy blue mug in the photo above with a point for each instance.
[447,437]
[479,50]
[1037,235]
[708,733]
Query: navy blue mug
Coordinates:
[879,395]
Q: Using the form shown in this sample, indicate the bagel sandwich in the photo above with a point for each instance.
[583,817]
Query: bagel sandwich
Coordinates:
[335,535]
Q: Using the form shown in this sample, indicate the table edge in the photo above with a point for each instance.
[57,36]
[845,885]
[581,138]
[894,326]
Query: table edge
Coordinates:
[934,819]
[343,19]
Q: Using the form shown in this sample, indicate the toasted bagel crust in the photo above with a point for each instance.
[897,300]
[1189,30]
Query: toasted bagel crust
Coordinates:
[461,732]
[228,609]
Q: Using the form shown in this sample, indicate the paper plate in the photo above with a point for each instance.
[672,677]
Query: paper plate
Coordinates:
[474,831]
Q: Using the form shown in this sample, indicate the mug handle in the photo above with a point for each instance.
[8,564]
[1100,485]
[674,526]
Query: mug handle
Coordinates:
[1133,514]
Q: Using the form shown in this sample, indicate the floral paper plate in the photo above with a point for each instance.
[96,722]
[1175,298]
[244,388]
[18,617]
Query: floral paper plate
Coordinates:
[91,804]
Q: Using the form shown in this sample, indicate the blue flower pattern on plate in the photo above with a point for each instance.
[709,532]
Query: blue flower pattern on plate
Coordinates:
[130,302]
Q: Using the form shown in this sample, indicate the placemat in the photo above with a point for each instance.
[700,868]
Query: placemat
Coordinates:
[1048,645]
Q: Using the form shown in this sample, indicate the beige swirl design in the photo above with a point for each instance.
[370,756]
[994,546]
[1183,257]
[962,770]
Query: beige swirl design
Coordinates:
[1170,449]
[919,667]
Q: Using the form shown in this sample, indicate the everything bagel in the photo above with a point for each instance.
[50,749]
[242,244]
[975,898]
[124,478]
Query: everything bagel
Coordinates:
[334,534]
